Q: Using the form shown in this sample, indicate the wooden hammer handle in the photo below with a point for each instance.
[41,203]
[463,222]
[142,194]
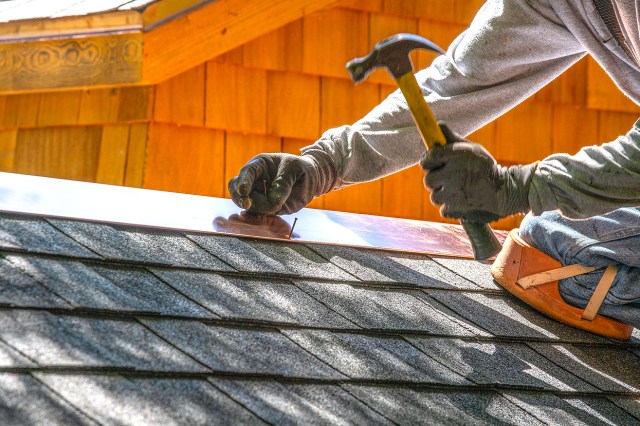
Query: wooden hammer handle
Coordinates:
[483,241]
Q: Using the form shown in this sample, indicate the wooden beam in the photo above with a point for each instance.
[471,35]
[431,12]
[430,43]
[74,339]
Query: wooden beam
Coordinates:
[214,30]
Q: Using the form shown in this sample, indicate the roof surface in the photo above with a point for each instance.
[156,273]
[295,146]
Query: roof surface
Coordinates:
[121,325]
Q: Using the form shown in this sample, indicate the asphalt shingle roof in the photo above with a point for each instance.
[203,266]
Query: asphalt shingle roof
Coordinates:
[107,324]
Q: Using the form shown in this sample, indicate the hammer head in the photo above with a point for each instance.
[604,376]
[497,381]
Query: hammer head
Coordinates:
[391,53]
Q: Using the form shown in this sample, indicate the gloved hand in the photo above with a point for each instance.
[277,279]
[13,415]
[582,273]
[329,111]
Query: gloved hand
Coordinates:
[282,183]
[469,184]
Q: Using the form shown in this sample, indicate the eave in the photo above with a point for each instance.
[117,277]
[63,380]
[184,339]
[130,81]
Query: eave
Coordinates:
[134,47]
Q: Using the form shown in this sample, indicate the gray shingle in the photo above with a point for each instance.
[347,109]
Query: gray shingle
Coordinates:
[19,289]
[288,404]
[477,272]
[500,363]
[107,287]
[379,309]
[10,358]
[610,369]
[115,400]
[630,404]
[25,401]
[385,266]
[261,256]
[255,299]
[36,235]
[571,411]
[241,350]
[54,340]
[506,316]
[139,245]
[374,358]
[424,407]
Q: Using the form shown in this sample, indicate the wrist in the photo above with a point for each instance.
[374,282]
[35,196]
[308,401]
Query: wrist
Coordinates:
[326,175]
[514,197]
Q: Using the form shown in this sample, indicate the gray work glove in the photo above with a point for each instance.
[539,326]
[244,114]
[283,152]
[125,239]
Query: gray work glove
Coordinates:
[469,184]
[281,183]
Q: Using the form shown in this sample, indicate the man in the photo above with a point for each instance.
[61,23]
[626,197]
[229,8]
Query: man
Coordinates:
[511,49]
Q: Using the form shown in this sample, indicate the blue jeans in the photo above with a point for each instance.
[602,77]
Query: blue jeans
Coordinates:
[613,238]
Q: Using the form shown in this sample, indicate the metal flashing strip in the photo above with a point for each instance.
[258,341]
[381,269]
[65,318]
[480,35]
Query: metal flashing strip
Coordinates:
[94,202]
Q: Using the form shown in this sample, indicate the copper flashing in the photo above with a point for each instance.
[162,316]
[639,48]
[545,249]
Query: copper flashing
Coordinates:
[156,209]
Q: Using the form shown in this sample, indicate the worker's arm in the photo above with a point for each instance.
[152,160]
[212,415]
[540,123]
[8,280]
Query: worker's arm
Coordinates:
[510,51]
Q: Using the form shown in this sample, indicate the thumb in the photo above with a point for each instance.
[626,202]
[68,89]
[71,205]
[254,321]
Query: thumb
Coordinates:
[450,135]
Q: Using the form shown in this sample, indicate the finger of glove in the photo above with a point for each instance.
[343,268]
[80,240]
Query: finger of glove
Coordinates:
[450,135]
[437,157]
[239,200]
[434,179]
[248,175]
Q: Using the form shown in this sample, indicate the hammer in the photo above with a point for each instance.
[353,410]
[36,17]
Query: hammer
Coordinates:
[393,54]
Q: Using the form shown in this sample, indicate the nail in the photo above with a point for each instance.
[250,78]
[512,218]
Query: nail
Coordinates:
[293,226]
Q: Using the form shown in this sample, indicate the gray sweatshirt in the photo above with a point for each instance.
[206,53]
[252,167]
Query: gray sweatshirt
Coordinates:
[511,50]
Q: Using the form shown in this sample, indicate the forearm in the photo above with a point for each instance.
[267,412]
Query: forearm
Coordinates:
[597,180]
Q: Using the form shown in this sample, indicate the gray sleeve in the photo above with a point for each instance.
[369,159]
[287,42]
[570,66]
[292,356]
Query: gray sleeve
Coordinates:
[596,180]
[511,49]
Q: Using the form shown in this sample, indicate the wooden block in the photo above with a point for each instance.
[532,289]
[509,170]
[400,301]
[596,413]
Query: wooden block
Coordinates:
[8,140]
[21,110]
[402,194]
[602,92]
[279,50]
[136,103]
[60,152]
[293,105]
[614,124]
[523,135]
[240,148]
[112,162]
[365,198]
[236,98]
[465,10]
[185,159]
[344,103]
[363,5]
[136,154]
[293,146]
[331,38]
[383,26]
[180,100]
[573,127]
[98,106]
[59,108]
[440,10]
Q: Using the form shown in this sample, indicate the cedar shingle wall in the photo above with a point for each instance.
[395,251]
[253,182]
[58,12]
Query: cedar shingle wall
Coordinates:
[279,93]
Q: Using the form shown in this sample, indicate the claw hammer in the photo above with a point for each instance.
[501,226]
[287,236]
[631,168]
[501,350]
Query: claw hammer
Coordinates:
[393,54]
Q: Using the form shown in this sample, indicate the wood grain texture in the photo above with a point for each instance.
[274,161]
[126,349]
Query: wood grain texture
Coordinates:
[21,110]
[136,154]
[332,38]
[614,124]
[568,88]
[135,103]
[236,98]
[54,64]
[185,159]
[293,105]
[112,161]
[278,50]
[438,10]
[363,198]
[59,109]
[603,93]
[365,5]
[168,53]
[342,102]
[403,193]
[64,152]
[573,128]
[180,100]
[517,140]
[8,139]
[99,106]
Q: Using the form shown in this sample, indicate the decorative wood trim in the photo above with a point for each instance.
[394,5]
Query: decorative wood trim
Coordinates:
[55,64]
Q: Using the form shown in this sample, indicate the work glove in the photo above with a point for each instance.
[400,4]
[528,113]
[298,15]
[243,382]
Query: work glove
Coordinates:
[469,184]
[276,184]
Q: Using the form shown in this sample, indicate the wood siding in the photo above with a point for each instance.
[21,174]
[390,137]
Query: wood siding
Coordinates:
[279,92]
